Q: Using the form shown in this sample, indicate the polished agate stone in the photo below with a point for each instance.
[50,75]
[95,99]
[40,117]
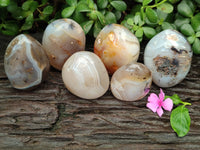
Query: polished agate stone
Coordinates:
[85,75]
[61,39]
[131,82]
[25,62]
[116,46]
[168,55]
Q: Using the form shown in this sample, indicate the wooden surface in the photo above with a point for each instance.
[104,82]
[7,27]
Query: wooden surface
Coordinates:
[50,117]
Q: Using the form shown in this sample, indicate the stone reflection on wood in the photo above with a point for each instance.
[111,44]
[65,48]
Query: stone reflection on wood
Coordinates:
[168,55]
[131,82]
[116,46]
[61,39]
[85,75]
[25,62]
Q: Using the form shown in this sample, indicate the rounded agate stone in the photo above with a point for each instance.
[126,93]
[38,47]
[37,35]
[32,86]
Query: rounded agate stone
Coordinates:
[116,46]
[61,39]
[85,75]
[25,62]
[131,82]
[168,55]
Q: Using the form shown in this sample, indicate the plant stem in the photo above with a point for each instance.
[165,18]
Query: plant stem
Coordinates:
[186,103]
[156,5]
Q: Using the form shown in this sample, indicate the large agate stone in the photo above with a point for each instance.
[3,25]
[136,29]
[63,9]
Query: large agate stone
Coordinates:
[61,39]
[168,55]
[131,82]
[85,75]
[116,46]
[25,62]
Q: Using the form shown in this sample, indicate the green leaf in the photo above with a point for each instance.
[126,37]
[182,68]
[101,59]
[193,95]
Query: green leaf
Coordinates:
[138,20]
[26,5]
[119,5]
[102,3]
[181,21]
[198,34]
[101,17]
[195,21]
[180,120]
[146,2]
[110,18]
[10,28]
[4,3]
[174,1]
[191,39]
[130,21]
[166,7]
[12,7]
[97,28]
[71,2]
[149,32]
[44,1]
[184,9]
[151,15]
[87,26]
[28,23]
[33,6]
[139,33]
[79,17]
[48,10]
[175,98]
[136,8]
[118,14]
[167,25]
[82,7]
[187,30]
[67,12]
[196,46]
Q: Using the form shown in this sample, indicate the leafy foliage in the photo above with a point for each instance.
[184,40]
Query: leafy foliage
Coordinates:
[180,119]
[145,18]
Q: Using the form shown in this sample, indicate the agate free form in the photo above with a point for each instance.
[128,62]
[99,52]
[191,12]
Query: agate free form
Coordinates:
[25,62]
[131,82]
[116,46]
[61,39]
[85,75]
[168,55]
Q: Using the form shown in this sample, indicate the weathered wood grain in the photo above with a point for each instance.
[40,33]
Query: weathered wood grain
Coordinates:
[50,117]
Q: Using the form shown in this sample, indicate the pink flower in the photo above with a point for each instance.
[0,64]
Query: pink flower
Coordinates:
[156,104]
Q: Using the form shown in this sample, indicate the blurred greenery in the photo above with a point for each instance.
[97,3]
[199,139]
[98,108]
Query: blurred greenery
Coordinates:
[145,18]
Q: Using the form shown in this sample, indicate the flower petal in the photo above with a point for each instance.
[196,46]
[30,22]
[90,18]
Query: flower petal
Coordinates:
[153,98]
[159,111]
[167,104]
[161,95]
[152,106]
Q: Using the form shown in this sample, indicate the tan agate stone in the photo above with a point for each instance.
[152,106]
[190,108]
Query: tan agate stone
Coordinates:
[61,39]
[85,75]
[25,62]
[116,46]
[131,82]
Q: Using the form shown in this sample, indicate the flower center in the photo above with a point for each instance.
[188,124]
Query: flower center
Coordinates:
[160,103]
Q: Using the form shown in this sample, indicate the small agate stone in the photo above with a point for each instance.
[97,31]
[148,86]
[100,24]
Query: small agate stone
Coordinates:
[131,82]
[61,39]
[85,75]
[116,46]
[25,62]
[168,55]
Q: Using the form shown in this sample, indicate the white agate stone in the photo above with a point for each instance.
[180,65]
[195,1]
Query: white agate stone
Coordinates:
[61,39]
[168,55]
[25,62]
[85,75]
[131,82]
[116,46]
